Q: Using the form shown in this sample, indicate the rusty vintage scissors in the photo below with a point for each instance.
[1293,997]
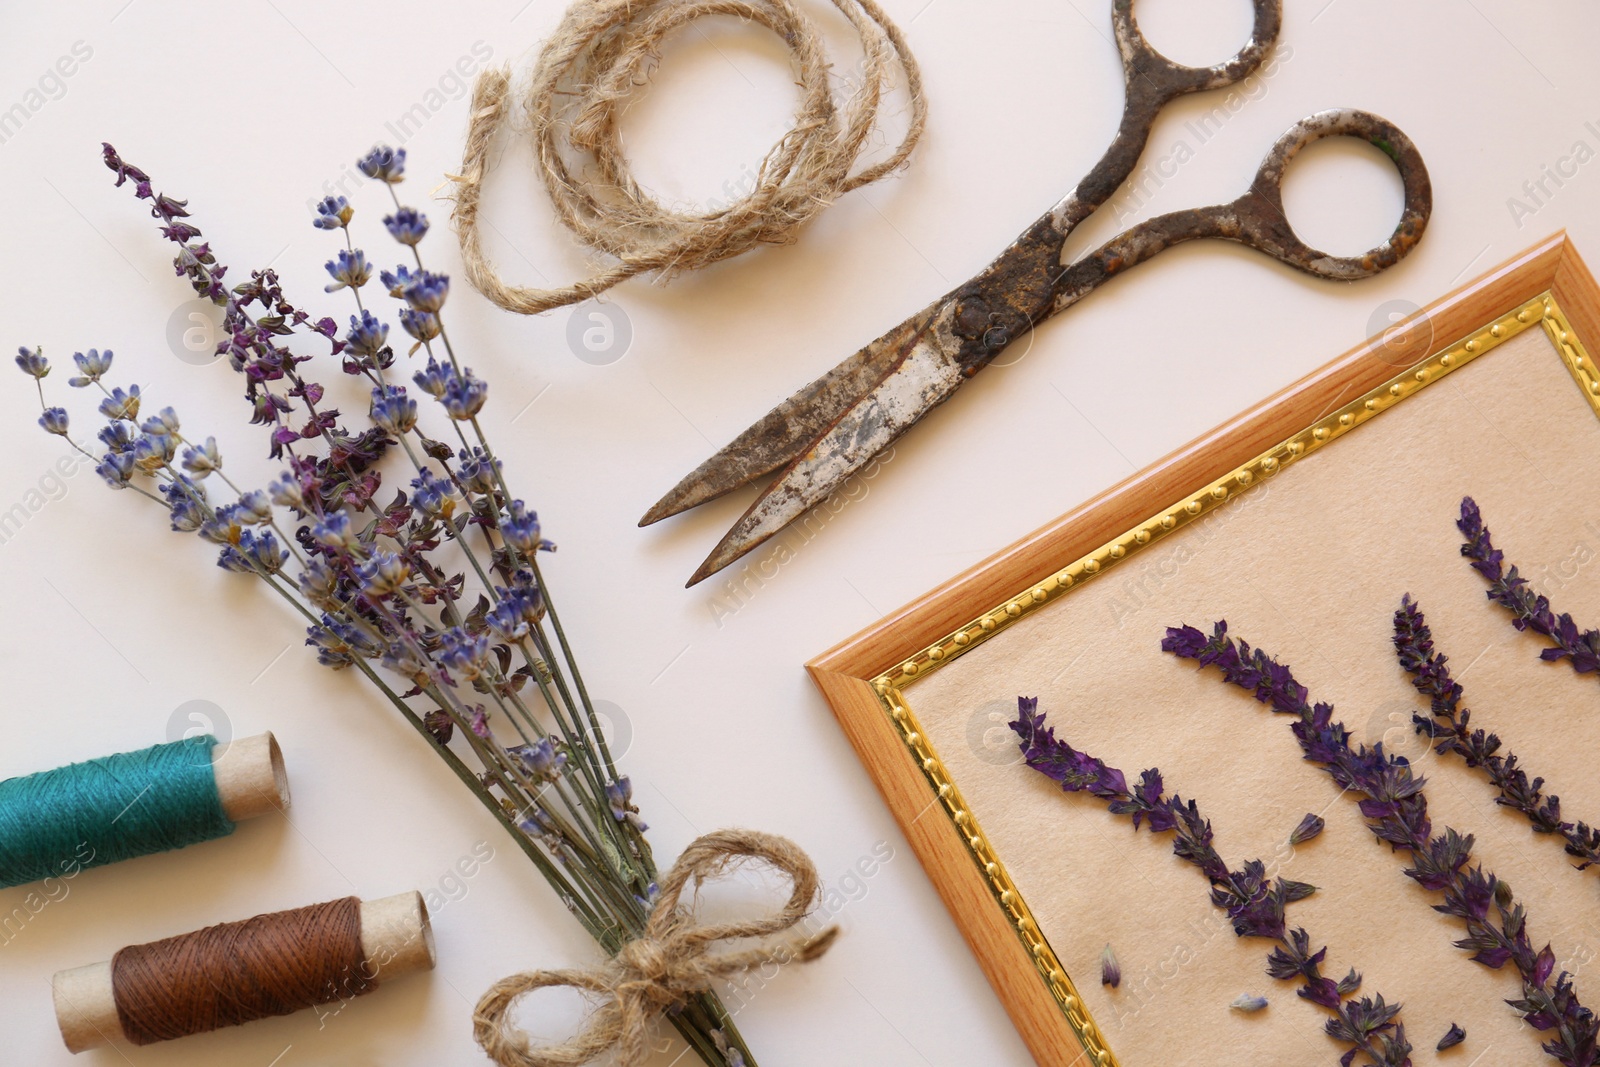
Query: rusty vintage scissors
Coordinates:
[825,432]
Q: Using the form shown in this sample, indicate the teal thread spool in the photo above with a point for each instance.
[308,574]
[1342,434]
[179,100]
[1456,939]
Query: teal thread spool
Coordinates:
[88,814]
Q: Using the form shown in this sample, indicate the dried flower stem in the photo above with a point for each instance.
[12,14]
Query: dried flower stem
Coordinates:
[1529,610]
[1255,903]
[1397,813]
[1450,728]
[372,589]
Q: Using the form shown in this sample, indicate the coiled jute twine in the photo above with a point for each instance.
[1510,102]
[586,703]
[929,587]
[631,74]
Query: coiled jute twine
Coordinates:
[601,53]
[667,964]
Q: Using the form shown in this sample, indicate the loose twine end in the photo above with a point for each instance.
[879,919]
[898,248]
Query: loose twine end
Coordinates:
[603,51]
[668,963]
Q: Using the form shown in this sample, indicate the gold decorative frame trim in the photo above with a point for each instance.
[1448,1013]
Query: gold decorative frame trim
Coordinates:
[890,686]
[865,677]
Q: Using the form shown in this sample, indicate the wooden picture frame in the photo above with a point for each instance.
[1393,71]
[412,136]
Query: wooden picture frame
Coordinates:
[865,678]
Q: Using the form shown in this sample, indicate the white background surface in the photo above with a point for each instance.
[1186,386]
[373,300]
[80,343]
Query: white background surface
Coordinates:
[111,623]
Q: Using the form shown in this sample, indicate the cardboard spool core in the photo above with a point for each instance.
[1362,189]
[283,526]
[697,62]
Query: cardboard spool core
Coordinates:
[251,779]
[396,940]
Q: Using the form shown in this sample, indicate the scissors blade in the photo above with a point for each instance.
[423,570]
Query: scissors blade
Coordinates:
[926,374]
[790,428]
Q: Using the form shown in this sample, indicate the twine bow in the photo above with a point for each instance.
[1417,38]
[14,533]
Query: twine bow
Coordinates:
[667,964]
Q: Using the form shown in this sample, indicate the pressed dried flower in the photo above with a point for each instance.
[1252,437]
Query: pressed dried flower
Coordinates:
[1452,1037]
[1396,810]
[1529,611]
[1450,728]
[1255,902]
[1246,1002]
[1310,826]
[1110,969]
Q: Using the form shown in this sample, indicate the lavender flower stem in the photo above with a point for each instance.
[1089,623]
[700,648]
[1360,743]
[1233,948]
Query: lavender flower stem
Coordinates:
[577,676]
[1397,813]
[640,846]
[574,841]
[708,1007]
[589,918]
[586,762]
[1255,903]
[1529,611]
[369,590]
[1430,672]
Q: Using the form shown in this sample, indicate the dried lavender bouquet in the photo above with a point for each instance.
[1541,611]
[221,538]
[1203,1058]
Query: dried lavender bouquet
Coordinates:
[1396,810]
[1255,903]
[479,665]
[1450,727]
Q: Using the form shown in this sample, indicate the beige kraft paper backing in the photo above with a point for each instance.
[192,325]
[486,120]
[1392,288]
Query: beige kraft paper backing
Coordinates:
[1310,566]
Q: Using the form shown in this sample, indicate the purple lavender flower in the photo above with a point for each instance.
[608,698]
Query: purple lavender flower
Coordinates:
[1255,903]
[55,420]
[318,583]
[121,404]
[348,268]
[262,550]
[1396,810]
[506,621]
[367,334]
[333,213]
[116,468]
[407,225]
[201,460]
[233,560]
[336,532]
[477,471]
[521,529]
[541,828]
[224,526]
[383,575]
[117,436]
[623,809]
[464,653]
[423,325]
[398,281]
[435,378]
[384,164]
[185,508]
[287,492]
[165,422]
[522,602]
[1529,611]
[1452,733]
[424,290]
[392,410]
[255,507]
[32,362]
[432,495]
[1311,826]
[1452,1037]
[92,366]
[541,760]
[339,642]
[153,452]
[1110,968]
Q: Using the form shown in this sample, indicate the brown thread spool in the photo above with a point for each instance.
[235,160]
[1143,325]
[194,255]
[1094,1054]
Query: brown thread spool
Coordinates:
[229,974]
